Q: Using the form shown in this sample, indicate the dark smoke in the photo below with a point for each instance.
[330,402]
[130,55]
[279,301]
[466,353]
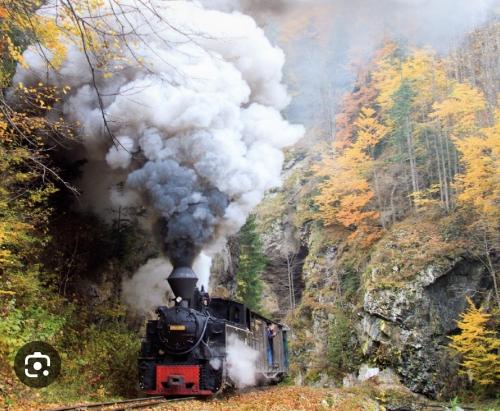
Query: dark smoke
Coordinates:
[189,209]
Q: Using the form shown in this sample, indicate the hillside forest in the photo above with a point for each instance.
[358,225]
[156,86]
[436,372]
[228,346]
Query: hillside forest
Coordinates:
[381,248]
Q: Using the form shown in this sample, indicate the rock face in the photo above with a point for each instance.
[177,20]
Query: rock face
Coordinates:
[390,304]
[402,302]
[408,326]
[285,254]
[223,270]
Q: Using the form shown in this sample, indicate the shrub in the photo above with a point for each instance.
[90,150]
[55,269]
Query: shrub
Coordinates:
[343,352]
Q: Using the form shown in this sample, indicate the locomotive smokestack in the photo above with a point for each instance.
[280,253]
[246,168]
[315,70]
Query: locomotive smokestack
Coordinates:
[182,281]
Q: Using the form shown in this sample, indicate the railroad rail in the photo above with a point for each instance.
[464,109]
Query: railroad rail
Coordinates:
[425,406]
[131,404]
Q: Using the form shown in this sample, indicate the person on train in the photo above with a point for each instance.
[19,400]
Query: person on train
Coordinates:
[270,333]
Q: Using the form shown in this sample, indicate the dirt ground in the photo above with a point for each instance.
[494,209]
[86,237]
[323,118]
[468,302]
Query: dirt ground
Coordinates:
[370,396]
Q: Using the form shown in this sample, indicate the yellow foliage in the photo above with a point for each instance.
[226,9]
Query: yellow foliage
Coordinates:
[426,197]
[460,111]
[19,16]
[479,182]
[478,346]
[426,74]
[387,77]
[24,185]
[345,194]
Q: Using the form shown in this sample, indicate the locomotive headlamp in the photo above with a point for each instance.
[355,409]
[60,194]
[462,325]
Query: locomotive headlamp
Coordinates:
[178,300]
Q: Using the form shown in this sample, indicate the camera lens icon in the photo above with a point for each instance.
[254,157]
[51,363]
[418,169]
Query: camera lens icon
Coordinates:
[37,364]
[36,361]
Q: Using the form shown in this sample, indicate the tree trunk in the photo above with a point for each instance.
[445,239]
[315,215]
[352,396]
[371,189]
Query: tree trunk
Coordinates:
[411,155]
[490,267]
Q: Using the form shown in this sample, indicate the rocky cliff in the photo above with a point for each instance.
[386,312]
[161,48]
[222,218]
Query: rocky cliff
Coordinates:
[391,305]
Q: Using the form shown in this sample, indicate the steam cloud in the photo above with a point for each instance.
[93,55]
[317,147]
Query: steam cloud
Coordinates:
[193,102]
[249,6]
[241,361]
[147,289]
[150,277]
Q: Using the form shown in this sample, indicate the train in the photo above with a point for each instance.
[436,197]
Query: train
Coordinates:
[184,351]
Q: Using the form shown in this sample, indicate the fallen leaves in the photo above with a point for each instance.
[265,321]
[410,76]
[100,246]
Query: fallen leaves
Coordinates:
[280,399]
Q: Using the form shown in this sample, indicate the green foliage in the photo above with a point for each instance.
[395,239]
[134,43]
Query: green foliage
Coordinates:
[400,113]
[287,381]
[104,356]
[350,282]
[343,355]
[454,404]
[251,264]
[24,324]
[312,376]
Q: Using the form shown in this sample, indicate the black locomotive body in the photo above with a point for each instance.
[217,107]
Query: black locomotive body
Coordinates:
[185,350]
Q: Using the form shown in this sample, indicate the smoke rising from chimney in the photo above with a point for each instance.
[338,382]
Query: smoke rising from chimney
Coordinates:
[192,97]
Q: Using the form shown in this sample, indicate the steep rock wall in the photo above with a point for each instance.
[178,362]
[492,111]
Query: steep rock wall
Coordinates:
[407,327]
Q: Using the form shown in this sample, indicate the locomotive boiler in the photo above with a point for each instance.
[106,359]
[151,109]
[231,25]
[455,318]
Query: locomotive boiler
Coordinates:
[185,350]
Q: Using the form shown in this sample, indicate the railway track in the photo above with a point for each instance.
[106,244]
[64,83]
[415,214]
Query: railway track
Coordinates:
[152,402]
[132,404]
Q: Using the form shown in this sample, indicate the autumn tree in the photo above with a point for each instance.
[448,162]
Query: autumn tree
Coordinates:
[476,168]
[458,117]
[478,185]
[409,83]
[460,112]
[28,179]
[478,346]
[363,95]
[31,130]
[346,196]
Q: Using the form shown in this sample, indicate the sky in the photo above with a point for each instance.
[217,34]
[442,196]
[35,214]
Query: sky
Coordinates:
[324,40]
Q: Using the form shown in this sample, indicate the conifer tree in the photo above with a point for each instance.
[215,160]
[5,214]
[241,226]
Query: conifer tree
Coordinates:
[251,264]
[478,346]
[400,114]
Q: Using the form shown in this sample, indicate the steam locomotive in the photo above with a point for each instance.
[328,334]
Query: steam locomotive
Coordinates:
[185,350]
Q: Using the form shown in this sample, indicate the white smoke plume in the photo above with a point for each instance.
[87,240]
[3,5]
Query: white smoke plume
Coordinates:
[148,289]
[250,6]
[241,361]
[192,97]
[215,363]
[150,277]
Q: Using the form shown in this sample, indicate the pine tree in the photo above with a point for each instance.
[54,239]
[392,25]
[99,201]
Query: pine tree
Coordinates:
[400,114]
[252,262]
[478,346]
